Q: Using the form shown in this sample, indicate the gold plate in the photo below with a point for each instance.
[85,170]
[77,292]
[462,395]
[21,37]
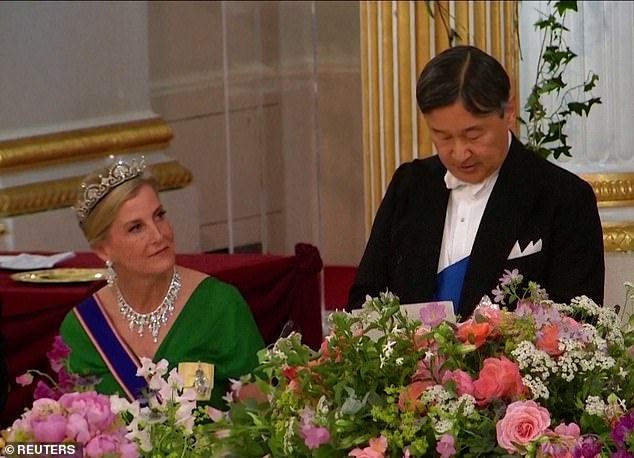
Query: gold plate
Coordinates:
[60,275]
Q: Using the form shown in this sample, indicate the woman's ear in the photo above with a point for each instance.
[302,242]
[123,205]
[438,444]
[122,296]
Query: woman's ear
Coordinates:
[101,252]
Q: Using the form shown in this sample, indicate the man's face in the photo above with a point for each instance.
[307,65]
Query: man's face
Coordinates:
[470,146]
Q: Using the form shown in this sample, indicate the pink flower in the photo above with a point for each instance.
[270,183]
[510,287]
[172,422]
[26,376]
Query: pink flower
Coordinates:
[314,436]
[432,314]
[95,408]
[571,430]
[445,446]
[58,353]
[408,398]
[499,378]
[49,429]
[24,379]
[524,421]
[548,339]
[77,428]
[101,445]
[464,382]
[377,448]
[215,414]
[43,391]
[66,381]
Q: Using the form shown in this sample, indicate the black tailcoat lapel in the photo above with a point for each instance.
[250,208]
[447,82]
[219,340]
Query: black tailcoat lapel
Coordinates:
[508,207]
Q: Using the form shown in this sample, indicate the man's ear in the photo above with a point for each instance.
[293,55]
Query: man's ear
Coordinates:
[510,111]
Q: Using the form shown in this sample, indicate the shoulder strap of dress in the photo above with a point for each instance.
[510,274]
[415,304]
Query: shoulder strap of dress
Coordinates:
[120,361]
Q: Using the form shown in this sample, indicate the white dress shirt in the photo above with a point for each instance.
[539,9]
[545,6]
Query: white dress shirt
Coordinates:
[464,212]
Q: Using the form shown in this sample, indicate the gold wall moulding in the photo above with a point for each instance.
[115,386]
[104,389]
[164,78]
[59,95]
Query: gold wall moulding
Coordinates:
[33,151]
[612,189]
[50,195]
[618,236]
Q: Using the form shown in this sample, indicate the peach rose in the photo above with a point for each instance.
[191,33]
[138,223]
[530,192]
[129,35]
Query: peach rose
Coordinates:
[377,449]
[498,378]
[548,339]
[474,333]
[524,421]
[407,400]
[464,382]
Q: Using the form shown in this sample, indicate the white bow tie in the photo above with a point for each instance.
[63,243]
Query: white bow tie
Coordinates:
[452,182]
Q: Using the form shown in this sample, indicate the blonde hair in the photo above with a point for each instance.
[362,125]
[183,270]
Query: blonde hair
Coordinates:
[95,226]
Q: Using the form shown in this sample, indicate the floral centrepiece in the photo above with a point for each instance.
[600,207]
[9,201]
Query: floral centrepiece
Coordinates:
[84,418]
[543,380]
[164,422]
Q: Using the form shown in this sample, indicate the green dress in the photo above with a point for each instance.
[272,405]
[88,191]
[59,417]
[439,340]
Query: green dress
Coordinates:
[215,326]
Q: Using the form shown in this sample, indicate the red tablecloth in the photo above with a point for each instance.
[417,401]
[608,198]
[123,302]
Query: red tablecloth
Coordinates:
[277,289]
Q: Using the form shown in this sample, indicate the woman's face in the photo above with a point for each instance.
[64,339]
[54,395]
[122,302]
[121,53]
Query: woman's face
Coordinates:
[140,240]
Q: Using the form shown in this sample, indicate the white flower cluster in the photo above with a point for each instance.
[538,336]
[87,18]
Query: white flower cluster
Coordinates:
[611,409]
[537,387]
[539,363]
[386,353]
[577,359]
[607,318]
[278,354]
[287,441]
[167,399]
[443,407]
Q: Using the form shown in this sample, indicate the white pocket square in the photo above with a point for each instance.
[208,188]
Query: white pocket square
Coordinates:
[531,248]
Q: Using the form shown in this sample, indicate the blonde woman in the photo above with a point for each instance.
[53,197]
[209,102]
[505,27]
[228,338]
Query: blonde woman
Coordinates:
[151,307]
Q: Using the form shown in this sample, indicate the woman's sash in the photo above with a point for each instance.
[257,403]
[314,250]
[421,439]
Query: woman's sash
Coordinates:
[120,361]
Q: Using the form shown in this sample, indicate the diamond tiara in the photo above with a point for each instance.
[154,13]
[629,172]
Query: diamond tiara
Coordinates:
[91,194]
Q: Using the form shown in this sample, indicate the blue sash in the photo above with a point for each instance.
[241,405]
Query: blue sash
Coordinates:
[449,282]
[121,362]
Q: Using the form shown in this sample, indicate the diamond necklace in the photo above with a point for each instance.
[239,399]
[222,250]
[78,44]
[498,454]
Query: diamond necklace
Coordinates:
[156,318]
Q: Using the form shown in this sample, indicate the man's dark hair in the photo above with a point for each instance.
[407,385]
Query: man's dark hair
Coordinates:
[466,74]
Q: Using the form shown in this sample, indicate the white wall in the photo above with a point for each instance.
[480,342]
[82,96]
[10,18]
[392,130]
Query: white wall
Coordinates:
[292,170]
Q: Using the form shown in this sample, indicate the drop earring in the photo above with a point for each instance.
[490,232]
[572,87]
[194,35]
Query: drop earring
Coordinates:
[111,275]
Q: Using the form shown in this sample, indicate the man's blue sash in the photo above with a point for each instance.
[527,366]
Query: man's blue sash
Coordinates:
[449,282]
[123,364]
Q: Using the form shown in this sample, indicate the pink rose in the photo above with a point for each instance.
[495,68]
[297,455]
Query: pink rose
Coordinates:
[499,378]
[101,445]
[77,428]
[524,421]
[49,429]
[377,448]
[464,382]
[128,449]
[94,407]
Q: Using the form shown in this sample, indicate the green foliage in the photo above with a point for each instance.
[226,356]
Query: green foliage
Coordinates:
[545,127]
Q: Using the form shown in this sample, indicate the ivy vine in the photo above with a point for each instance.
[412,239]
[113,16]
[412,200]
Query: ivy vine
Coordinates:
[545,126]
